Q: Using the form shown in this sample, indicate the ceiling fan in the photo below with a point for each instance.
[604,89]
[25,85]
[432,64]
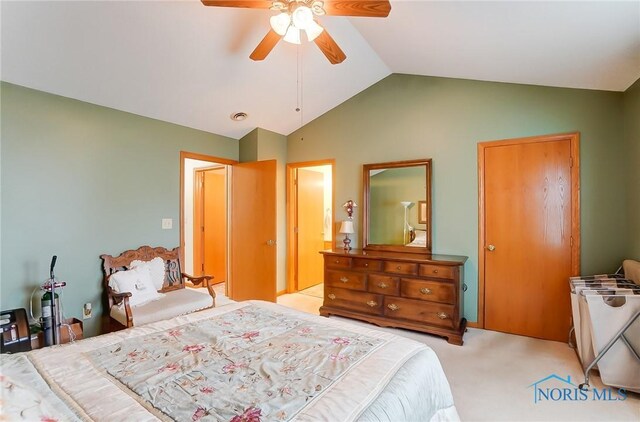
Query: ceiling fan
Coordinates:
[299,15]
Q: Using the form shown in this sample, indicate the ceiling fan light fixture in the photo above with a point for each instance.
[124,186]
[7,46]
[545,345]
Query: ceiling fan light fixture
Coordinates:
[280,23]
[302,17]
[313,30]
[292,35]
[317,7]
[278,5]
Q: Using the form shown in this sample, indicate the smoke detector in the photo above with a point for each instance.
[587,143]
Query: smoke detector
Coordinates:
[239,116]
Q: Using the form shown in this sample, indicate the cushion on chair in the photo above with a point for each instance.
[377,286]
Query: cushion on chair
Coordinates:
[178,302]
[136,281]
[156,266]
[631,270]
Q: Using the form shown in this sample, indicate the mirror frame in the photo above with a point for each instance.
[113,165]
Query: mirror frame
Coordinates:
[366,183]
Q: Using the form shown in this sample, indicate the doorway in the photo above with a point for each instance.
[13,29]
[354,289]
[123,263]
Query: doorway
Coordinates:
[250,206]
[204,212]
[529,234]
[310,224]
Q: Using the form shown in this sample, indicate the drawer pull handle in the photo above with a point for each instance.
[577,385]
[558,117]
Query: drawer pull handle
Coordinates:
[331,296]
[425,291]
[435,271]
[372,303]
[383,285]
[398,268]
[344,279]
[393,306]
[442,315]
[366,265]
[337,261]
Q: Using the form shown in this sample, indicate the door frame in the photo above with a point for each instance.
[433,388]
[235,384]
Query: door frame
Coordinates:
[574,139]
[202,157]
[291,205]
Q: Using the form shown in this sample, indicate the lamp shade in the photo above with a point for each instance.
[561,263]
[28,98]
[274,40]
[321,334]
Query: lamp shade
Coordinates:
[280,23]
[302,17]
[292,35]
[313,30]
[346,227]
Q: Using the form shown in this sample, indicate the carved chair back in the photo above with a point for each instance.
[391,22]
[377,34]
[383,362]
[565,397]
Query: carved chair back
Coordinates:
[172,266]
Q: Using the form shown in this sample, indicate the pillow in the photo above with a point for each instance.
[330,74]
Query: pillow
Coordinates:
[156,266]
[138,282]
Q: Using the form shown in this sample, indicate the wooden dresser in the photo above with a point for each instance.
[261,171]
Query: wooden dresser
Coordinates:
[422,292]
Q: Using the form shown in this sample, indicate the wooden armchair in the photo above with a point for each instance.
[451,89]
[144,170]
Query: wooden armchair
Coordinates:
[177,300]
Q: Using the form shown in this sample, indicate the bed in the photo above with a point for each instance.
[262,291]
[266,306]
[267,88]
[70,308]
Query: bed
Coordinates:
[246,361]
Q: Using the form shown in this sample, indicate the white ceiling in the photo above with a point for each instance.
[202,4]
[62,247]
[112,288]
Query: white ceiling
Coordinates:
[185,63]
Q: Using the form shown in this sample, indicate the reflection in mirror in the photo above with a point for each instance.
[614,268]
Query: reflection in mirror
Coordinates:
[397,206]
[394,194]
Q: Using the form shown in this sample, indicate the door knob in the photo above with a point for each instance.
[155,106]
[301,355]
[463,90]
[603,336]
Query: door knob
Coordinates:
[491,248]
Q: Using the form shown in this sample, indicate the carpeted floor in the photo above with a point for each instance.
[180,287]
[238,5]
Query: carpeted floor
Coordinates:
[491,375]
[315,291]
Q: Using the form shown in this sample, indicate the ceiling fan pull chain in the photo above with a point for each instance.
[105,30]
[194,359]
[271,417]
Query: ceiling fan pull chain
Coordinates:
[301,66]
[299,80]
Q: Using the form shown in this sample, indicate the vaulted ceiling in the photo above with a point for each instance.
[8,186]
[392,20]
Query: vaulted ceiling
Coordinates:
[185,63]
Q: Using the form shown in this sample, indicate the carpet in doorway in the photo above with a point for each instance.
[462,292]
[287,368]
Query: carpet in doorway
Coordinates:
[315,291]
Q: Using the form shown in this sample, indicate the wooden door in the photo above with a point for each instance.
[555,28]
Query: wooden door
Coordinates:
[529,235]
[310,227]
[215,224]
[253,231]
[210,224]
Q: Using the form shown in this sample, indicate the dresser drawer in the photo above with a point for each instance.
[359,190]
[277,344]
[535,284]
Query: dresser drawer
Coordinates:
[400,267]
[384,284]
[437,271]
[433,291]
[337,261]
[419,310]
[353,300]
[346,280]
[367,264]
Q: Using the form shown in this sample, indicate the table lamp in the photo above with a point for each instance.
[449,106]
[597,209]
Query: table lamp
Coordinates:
[346,228]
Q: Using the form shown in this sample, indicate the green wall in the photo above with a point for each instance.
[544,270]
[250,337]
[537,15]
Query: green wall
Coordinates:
[632,137]
[407,117]
[79,180]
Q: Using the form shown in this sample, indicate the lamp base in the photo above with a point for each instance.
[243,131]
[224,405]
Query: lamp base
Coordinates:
[347,243]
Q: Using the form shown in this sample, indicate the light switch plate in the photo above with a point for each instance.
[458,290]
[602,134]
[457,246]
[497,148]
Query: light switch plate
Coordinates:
[167,223]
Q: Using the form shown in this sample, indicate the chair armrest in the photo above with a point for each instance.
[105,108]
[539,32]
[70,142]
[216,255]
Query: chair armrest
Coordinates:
[115,298]
[197,280]
[205,280]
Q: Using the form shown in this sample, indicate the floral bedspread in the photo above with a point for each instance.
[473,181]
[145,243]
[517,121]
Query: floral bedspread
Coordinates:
[250,364]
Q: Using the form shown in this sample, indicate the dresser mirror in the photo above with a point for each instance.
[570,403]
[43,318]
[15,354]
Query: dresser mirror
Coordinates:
[397,206]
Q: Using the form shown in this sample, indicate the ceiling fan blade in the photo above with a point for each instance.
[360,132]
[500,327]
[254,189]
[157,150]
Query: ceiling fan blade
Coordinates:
[249,4]
[373,9]
[329,48]
[266,45]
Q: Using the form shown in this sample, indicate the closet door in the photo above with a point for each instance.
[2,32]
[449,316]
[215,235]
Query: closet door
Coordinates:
[253,231]
[529,235]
